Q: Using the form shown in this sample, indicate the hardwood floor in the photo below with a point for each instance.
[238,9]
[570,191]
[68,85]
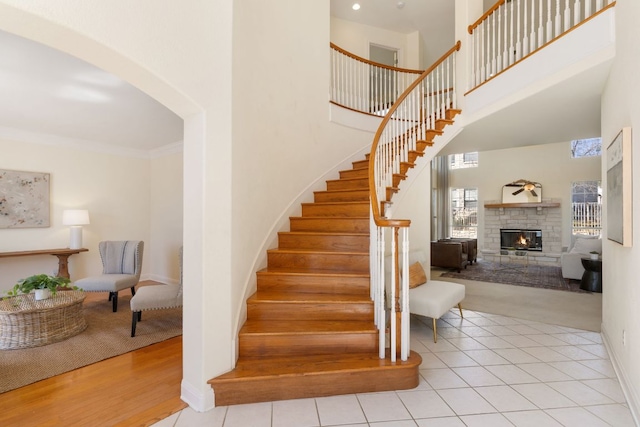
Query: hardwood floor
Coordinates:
[133,389]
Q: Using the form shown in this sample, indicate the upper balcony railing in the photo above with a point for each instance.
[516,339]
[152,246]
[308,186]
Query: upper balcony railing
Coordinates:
[366,86]
[513,29]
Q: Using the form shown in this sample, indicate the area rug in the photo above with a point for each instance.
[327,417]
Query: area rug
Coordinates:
[108,334]
[535,276]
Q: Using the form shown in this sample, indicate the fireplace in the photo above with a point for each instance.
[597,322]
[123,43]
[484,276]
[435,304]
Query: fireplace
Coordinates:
[521,239]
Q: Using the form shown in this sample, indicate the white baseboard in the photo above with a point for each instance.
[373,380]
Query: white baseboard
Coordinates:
[199,402]
[158,278]
[630,393]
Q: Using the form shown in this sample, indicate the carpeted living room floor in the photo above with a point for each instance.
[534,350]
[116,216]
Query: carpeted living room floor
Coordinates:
[581,310]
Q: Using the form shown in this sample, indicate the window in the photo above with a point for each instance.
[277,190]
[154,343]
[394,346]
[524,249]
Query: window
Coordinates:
[464,212]
[586,206]
[586,147]
[463,160]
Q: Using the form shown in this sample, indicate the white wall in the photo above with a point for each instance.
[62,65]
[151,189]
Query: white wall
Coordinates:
[115,190]
[283,140]
[621,293]
[356,38]
[549,164]
[165,216]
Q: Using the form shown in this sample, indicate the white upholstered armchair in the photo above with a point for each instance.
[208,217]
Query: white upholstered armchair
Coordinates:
[571,261]
[121,267]
[155,297]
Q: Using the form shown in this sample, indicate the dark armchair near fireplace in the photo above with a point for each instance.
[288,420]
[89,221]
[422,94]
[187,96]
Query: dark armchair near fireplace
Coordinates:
[449,254]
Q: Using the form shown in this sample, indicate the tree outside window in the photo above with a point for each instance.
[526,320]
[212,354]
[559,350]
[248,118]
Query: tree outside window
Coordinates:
[586,147]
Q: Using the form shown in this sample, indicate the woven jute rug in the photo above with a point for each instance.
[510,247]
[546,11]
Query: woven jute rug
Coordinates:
[535,276]
[108,334]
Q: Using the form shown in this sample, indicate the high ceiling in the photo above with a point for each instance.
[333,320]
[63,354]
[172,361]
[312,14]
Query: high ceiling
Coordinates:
[46,92]
[433,19]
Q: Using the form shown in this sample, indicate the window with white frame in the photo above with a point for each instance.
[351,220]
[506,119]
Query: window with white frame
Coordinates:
[586,208]
[463,160]
[464,212]
[586,147]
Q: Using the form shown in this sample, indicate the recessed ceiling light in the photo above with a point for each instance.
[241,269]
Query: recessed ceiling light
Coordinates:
[356,6]
[400,4]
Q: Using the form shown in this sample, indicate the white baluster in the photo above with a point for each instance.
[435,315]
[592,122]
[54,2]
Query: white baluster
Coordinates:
[498,52]
[587,9]
[576,12]
[540,27]
[558,26]
[455,91]
[405,319]
[532,39]
[598,5]
[483,68]
[549,22]
[525,38]
[512,30]
[392,313]
[493,45]
[567,15]
[381,289]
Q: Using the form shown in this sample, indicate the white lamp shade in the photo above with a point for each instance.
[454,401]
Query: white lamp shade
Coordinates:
[75,217]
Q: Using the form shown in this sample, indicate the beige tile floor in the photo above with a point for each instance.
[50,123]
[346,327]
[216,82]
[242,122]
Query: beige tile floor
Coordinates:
[486,370]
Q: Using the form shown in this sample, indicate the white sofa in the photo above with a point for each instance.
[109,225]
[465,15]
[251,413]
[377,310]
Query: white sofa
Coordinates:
[580,247]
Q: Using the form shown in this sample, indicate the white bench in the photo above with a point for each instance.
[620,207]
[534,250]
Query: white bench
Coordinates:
[435,298]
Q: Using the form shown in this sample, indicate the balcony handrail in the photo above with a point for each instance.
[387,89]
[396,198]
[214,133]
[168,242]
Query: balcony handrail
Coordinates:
[366,86]
[405,131]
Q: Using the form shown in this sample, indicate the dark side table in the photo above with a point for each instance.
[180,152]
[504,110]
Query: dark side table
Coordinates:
[592,276]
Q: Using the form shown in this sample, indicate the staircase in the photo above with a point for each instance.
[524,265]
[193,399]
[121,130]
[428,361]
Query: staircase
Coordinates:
[310,326]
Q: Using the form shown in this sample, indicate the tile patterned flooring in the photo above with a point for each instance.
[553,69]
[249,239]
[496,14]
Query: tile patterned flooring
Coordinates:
[485,370]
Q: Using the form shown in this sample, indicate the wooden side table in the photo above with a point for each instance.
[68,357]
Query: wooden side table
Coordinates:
[25,322]
[592,276]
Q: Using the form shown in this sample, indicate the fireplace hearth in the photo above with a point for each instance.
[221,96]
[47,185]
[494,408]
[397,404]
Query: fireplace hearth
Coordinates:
[521,239]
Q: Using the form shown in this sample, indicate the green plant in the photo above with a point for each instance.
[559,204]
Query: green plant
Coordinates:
[595,252]
[39,281]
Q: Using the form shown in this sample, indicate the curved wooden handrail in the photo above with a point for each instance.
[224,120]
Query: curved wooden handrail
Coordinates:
[486,15]
[377,64]
[375,205]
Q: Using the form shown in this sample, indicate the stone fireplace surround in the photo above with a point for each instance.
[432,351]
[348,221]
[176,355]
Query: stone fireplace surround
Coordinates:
[545,216]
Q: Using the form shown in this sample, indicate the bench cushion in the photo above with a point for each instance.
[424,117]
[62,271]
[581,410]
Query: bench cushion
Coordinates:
[435,298]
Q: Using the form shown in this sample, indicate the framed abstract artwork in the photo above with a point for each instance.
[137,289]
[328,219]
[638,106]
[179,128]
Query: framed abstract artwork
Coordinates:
[24,199]
[619,195]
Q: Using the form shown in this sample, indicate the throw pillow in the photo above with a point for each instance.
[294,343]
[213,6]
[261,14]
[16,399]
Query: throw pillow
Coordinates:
[417,276]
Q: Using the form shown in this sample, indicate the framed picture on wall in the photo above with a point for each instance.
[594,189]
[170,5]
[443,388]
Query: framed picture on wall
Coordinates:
[619,207]
[24,199]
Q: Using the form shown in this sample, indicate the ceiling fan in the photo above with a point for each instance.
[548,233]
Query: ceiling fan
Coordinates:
[526,185]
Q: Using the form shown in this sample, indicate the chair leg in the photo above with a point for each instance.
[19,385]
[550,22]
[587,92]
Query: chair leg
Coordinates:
[460,308]
[435,331]
[133,291]
[114,298]
[134,320]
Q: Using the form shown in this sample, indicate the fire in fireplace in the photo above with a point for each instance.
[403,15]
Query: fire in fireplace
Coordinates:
[521,239]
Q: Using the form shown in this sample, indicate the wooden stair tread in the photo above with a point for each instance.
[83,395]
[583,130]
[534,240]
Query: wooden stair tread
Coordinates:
[314,251]
[265,367]
[312,271]
[339,203]
[306,297]
[286,327]
[325,233]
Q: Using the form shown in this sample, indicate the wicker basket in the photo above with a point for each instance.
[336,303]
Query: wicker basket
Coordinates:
[26,323]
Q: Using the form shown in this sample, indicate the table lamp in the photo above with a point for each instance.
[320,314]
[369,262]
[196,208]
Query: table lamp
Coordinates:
[75,218]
